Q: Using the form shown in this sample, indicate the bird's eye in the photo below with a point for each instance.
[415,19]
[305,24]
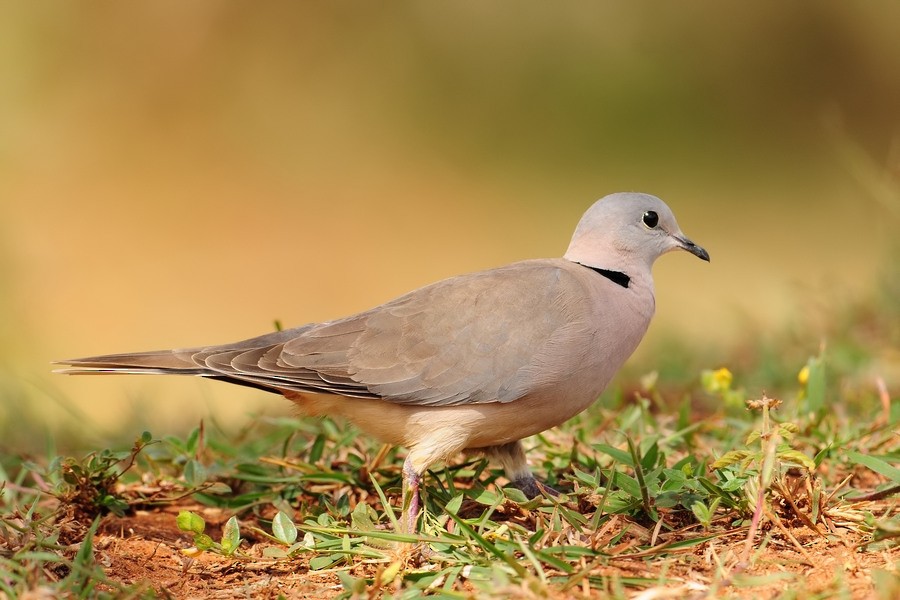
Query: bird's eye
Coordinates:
[651,219]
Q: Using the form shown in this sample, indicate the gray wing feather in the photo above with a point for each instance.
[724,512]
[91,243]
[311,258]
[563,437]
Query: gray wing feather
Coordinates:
[471,339]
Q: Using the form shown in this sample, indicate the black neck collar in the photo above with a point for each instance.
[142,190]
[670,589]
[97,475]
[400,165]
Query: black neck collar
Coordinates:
[617,277]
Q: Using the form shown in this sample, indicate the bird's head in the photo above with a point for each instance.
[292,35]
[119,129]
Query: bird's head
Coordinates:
[626,232]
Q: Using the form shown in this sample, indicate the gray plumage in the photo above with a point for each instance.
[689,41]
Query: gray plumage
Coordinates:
[476,361]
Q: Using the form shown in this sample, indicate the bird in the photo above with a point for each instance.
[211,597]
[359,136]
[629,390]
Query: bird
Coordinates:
[476,362]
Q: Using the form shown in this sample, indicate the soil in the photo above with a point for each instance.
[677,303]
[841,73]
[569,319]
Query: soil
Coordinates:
[146,548]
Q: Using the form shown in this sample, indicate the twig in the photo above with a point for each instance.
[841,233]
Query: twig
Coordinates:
[774,518]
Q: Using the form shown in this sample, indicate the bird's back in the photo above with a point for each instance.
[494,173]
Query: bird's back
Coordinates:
[490,336]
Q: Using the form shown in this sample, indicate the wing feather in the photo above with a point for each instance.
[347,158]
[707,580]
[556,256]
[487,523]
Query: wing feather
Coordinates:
[477,338]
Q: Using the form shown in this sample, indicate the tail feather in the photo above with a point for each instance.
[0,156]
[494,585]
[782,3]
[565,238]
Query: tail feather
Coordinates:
[165,362]
[213,362]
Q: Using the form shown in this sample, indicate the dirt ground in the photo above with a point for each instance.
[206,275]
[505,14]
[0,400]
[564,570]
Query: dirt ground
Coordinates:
[145,548]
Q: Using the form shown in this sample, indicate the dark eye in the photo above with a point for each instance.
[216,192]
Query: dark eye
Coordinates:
[651,219]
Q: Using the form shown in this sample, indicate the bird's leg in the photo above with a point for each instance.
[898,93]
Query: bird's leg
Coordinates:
[511,457]
[411,480]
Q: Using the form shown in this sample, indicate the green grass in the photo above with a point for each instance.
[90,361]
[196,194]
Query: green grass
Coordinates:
[647,480]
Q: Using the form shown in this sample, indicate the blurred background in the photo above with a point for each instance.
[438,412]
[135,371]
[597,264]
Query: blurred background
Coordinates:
[181,173]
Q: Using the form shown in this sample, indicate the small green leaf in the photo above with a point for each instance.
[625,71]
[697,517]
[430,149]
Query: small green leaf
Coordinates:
[627,484]
[733,485]
[203,541]
[701,513]
[217,488]
[275,552]
[318,447]
[363,517]
[194,473]
[729,458]
[486,497]
[588,479]
[815,385]
[192,441]
[190,522]
[343,505]
[515,495]
[648,460]
[231,536]
[283,529]
[797,457]
[454,504]
[622,456]
[390,573]
[721,492]
[323,562]
[117,506]
[820,456]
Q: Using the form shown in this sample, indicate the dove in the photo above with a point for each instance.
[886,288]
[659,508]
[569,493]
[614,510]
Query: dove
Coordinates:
[475,362]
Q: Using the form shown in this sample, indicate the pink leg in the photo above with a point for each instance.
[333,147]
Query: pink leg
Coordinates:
[411,481]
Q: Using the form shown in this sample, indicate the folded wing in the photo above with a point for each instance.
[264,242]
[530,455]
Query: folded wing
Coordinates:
[470,339]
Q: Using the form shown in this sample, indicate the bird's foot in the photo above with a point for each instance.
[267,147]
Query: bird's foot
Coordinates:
[532,488]
[411,479]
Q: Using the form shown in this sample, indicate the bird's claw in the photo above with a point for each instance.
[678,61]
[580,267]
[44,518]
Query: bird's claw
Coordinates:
[532,488]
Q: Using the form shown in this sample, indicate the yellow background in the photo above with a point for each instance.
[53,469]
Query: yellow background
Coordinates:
[180,173]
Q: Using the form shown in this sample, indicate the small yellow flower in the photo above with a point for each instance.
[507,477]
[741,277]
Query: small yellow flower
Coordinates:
[803,375]
[723,378]
[718,381]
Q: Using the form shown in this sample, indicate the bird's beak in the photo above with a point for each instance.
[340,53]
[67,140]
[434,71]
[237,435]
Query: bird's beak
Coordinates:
[693,248]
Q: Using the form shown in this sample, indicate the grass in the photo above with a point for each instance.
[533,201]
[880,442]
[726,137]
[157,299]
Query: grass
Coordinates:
[656,495]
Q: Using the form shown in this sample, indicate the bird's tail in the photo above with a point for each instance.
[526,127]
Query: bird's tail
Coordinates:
[162,362]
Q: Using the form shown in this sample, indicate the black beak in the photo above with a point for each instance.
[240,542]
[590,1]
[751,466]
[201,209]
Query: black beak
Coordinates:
[693,248]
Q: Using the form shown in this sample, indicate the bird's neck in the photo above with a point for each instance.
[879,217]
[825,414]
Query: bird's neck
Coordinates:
[617,277]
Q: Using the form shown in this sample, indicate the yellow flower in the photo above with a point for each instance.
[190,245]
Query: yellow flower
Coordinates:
[722,378]
[718,381]
[803,375]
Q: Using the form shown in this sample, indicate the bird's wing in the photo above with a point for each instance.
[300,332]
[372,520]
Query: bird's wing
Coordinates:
[469,339]
[475,338]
